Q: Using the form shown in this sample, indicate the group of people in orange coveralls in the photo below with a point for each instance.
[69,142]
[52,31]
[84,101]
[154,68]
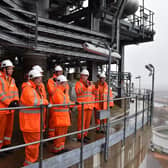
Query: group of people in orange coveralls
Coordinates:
[33,93]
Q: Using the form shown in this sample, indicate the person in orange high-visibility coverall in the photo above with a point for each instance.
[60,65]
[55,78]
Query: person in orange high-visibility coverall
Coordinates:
[101,93]
[60,118]
[51,87]
[30,118]
[84,91]
[8,98]
[39,68]
[41,86]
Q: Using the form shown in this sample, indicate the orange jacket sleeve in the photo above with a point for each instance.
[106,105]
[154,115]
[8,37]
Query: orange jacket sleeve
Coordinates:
[3,94]
[51,86]
[15,91]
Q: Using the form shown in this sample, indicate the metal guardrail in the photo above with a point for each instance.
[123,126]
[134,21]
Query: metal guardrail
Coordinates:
[114,122]
[144,19]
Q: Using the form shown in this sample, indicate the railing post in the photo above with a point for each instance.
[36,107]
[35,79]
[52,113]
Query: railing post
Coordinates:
[143,111]
[149,109]
[108,108]
[82,143]
[136,109]
[106,140]
[41,136]
[125,113]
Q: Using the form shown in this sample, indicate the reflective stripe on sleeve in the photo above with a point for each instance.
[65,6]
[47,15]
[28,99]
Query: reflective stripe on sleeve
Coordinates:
[30,111]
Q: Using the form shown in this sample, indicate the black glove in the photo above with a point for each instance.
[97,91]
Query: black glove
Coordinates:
[77,103]
[55,79]
[14,103]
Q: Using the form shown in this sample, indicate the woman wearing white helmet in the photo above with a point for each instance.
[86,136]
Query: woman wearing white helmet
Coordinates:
[32,95]
[51,87]
[38,68]
[60,118]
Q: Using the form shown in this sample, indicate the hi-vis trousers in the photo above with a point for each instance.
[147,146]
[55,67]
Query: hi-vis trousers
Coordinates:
[6,128]
[59,144]
[31,151]
[86,120]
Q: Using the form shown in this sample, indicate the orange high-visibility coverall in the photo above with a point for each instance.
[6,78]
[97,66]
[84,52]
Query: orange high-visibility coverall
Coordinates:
[30,119]
[42,91]
[84,94]
[8,93]
[101,93]
[60,118]
[51,87]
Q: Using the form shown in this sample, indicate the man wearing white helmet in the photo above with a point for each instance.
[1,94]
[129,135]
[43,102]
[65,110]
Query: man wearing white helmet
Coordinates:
[8,98]
[101,93]
[51,87]
[31,95]
[84,92]
[60,117]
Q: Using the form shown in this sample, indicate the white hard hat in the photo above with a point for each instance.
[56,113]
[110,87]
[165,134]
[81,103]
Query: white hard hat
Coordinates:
[84,72]
[34,74]
[58,68]
[6,63]
[102,75]
[37,67]
[62,78]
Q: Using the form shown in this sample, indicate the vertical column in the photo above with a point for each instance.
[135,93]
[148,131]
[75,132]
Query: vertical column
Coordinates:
[120,71]
[94,71]
[94,8]
[32,58]
[43,7]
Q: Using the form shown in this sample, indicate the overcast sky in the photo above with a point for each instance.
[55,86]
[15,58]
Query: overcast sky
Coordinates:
[156,52]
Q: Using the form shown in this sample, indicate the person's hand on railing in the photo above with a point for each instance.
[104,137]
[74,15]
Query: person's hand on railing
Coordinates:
[49,105]
[14,103]
[77,103]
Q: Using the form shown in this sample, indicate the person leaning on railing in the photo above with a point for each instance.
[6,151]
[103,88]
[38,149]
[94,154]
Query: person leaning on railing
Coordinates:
[32,95]
[8,98]
[84,91]
[60,117]
[101,94]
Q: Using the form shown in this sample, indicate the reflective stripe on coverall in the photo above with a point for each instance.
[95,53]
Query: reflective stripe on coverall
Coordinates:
[84,94]
[101,93]
[8,93]
[51,87]
[60,118]
[30,119]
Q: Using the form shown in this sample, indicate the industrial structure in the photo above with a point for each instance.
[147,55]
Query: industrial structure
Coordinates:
[77,34]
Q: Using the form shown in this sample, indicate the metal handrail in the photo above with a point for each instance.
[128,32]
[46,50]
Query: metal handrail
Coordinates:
[111,123]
